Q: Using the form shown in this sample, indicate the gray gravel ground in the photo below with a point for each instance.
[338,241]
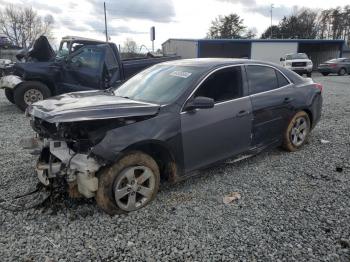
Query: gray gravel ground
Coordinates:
[294,206]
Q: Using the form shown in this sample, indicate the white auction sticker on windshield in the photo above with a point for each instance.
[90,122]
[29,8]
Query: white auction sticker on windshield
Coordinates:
[181,74]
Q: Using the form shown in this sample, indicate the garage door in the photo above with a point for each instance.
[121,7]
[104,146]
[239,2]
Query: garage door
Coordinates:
[272,51]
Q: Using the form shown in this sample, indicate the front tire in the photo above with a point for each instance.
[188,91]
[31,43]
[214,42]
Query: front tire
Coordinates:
[342,71]
[30,92]
[9,95]
[325,74]
[309,74]
[128,185]
[297,132]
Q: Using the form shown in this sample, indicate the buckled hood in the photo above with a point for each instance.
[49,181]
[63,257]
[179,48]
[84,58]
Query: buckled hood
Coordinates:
[90,105]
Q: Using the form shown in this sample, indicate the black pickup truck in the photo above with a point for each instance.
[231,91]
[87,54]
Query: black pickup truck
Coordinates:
[89,67]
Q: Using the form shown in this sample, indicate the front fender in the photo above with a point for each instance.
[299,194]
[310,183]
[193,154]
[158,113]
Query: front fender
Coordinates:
[10,81]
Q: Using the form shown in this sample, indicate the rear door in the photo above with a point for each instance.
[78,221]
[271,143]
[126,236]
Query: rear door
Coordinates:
[272,98]
[210,135]
[82,70]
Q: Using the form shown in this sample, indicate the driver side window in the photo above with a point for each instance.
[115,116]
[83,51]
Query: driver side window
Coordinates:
[223,85]
[87,58]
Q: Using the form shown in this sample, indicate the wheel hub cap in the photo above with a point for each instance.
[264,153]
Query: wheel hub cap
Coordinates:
[32,95]
[134,187]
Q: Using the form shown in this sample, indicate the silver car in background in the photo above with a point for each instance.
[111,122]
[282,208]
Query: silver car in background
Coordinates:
[340,66]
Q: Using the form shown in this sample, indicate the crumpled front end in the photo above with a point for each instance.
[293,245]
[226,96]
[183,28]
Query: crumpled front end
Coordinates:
[58,160]
[10,81]
[65,151]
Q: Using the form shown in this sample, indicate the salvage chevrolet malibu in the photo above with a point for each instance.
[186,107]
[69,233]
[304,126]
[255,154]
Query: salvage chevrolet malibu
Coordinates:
[167,122]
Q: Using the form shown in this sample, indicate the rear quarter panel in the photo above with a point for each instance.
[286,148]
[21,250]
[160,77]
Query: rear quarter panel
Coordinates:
[310,100]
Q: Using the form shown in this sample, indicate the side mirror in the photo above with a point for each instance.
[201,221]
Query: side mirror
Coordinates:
[200,102]
[281,59]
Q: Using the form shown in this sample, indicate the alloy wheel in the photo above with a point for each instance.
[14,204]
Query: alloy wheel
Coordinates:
[134,187]
[299,131]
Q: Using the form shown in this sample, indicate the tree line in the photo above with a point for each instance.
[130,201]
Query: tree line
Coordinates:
[333,23]
[22,26]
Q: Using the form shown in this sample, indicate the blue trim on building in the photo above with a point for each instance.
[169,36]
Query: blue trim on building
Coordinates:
[340,42]
[311,41]
[303,41]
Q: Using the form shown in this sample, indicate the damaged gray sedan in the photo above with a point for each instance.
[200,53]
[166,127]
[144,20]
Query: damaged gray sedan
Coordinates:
[166,123]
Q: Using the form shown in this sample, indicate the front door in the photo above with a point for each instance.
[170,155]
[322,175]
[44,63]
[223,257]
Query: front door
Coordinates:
[82,71]
[211,135]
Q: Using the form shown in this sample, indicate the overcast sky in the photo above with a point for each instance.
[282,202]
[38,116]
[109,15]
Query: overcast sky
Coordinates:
[172,18]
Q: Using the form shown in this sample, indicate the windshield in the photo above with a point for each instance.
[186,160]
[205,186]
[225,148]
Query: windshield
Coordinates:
[64,50]
[160,84]
[296,56]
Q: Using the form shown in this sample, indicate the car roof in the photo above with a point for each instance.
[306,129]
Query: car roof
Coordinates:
[78,38]
[296,54]
[214,62]
[209,64]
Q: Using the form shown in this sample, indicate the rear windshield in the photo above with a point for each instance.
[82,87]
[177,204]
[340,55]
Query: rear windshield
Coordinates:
[296,56]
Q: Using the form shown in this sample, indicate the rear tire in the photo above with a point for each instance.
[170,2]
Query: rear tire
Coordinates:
[325,74]
[342,71]
[128,176]
[297,132]
[9,95]
[30,92]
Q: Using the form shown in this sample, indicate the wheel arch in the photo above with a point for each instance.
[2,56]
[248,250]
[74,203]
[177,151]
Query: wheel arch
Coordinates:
[46,82]
[161,153]
[309,113]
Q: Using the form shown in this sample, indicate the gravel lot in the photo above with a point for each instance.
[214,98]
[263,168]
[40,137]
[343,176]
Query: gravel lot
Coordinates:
[294,206]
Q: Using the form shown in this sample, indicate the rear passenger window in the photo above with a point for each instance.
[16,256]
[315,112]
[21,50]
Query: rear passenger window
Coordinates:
[261,79]
[282,81]
[223,85]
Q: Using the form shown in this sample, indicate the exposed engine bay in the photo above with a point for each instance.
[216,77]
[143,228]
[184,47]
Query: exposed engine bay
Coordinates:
[64,151]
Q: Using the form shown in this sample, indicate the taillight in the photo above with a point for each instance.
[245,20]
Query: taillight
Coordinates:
[333,65]
[319,86]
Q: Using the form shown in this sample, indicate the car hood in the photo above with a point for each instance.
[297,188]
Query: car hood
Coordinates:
[91,105]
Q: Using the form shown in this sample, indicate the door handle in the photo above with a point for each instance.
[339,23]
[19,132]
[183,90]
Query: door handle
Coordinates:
[242,113]
[288,100]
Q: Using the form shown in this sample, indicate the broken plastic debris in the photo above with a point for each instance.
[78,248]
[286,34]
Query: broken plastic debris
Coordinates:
[323,141]
[231,197]
[339,169]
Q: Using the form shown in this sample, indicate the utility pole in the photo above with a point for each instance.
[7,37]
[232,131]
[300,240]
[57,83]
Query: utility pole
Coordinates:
[104,6]
[271,21]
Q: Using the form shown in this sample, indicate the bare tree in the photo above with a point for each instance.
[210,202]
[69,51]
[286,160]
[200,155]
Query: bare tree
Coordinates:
[23,25]
[130,46]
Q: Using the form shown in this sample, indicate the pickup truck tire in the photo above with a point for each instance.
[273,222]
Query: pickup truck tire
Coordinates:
[9,95]
[30,92]
[309,74]
[297,132]
[342,71]
[130,184]
[325,74]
